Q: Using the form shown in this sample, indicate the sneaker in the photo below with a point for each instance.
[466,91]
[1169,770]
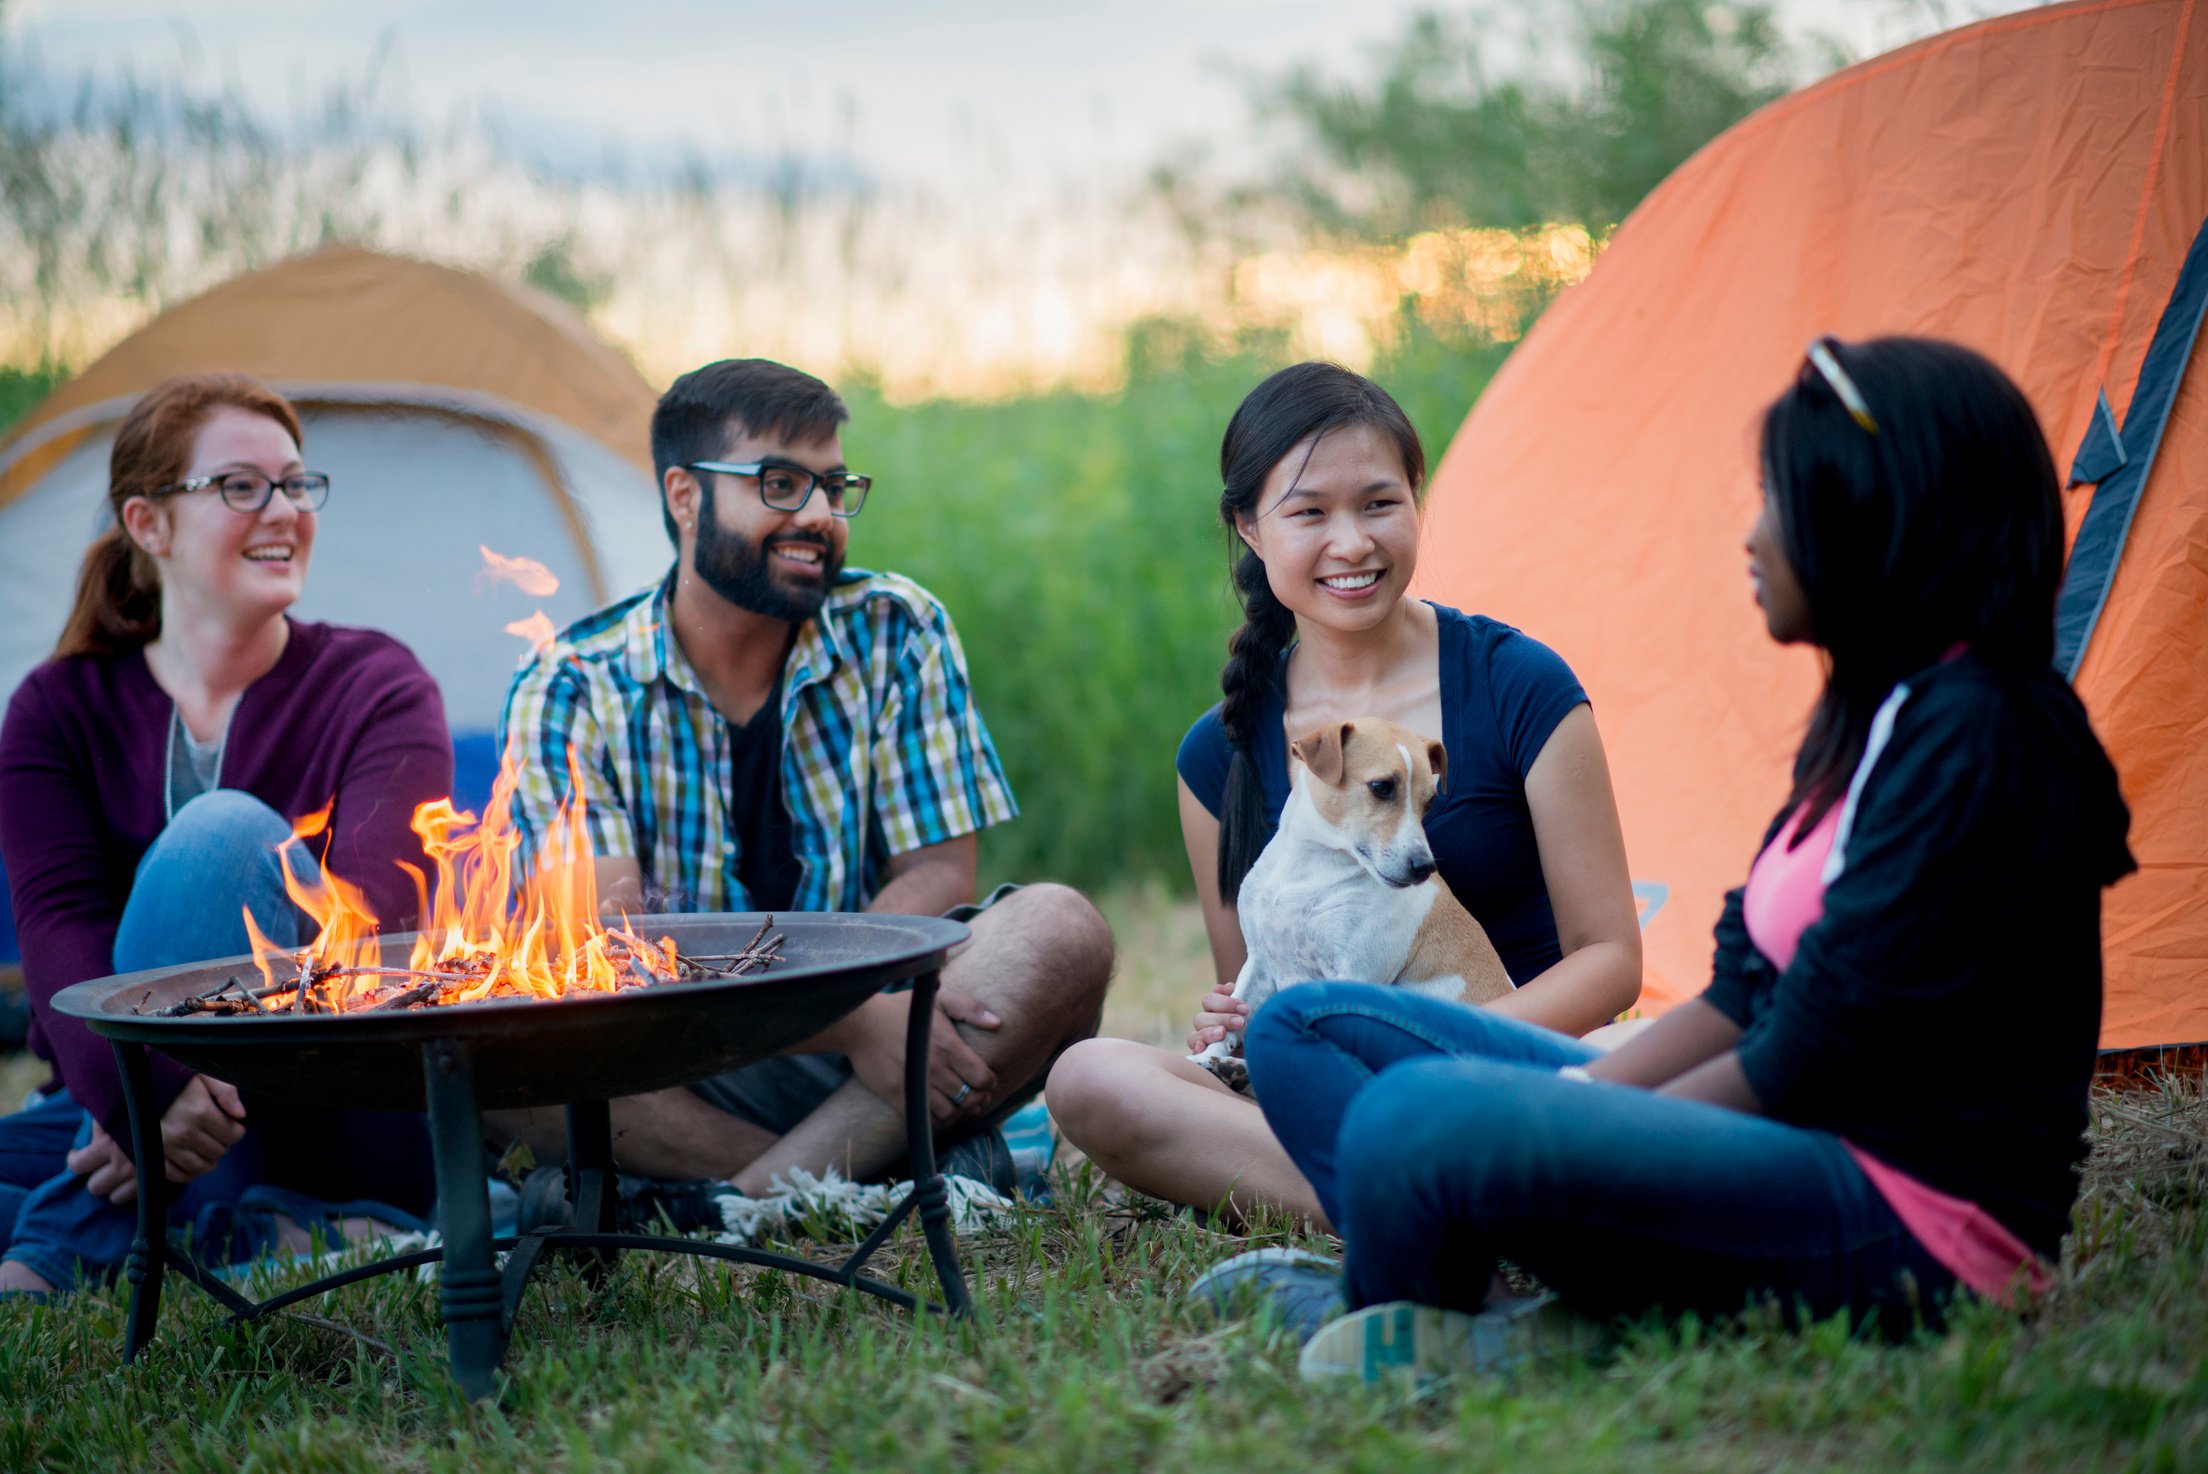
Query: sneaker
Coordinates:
[984,1157]
[1421,1341]
[1300,1289]
[641,1204]
[1027,1133]
[649,1205]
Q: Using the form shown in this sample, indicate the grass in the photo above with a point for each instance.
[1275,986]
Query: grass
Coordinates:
[1084,1356]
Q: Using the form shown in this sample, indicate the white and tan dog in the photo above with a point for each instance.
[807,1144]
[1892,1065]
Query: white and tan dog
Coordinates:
[1346,889]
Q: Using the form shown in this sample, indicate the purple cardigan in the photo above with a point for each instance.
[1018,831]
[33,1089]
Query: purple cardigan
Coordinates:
[346,713]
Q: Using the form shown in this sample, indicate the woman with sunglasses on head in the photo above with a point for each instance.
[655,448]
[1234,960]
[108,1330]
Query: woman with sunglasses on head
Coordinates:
[148,773]
[1323,473]
[1881,1097]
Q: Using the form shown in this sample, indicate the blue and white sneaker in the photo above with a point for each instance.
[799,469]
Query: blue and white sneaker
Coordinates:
[1300,1289]
[1027,1132]
[1421,1342]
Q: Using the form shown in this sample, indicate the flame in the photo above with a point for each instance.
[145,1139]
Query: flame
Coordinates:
[536,629]
[526,574]
[487,928]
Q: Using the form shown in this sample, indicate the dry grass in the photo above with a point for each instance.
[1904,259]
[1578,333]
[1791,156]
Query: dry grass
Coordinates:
[1086,1354]
[1164,962]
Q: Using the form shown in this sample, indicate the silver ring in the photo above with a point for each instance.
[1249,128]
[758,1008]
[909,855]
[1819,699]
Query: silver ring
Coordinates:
[964,1090]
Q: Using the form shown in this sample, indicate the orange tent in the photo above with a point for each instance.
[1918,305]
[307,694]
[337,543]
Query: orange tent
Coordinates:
[2034,186]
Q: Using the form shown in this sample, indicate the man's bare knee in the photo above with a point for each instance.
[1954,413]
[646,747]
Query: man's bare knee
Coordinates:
[1080,938]
[1054,951]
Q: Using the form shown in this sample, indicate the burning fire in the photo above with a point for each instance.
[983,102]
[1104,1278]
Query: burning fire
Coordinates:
[482,936]
[536,629]
[526,574]
[532,578]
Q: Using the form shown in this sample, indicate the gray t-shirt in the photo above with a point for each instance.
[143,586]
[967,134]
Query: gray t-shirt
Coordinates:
[193,765]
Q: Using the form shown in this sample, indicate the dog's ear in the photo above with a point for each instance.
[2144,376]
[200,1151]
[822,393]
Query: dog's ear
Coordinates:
[1321,751]
[1438,756]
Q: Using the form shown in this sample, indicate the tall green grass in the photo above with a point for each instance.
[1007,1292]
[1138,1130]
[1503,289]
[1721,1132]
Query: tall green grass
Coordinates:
[1076,540]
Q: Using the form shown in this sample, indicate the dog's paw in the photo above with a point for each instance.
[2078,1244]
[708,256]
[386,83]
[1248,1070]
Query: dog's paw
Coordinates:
[1231,1071]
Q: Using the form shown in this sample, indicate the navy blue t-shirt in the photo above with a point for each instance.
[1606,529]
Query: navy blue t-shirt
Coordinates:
[1502,695]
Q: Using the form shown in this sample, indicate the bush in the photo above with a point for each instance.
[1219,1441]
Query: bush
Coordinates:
[1076,540]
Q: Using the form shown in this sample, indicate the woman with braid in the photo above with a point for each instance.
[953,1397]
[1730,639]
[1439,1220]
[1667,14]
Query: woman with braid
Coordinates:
[1323,473]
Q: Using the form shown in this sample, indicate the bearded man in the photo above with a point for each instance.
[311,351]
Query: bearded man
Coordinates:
[768,730]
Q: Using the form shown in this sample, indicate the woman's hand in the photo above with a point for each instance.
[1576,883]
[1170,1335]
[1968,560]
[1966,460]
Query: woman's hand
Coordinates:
[106,1168]
[205,1120]
[1221,1013]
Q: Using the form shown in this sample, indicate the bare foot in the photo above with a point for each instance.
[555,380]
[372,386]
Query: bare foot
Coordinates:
[18,1276]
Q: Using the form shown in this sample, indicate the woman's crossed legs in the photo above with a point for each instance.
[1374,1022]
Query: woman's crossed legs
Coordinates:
[1441,1139]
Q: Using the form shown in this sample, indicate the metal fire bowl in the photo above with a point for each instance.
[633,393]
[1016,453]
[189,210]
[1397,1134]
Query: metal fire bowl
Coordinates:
[534,1052]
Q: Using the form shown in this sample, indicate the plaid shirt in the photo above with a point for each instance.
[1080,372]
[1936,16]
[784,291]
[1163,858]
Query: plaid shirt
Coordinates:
[883,751]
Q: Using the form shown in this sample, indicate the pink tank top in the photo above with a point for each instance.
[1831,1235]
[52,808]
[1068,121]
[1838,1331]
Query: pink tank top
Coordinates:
[1785,898]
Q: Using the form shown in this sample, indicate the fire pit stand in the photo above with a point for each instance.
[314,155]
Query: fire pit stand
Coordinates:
[478,1298]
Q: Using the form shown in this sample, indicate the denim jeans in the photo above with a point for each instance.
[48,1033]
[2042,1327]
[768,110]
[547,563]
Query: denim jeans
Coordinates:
[216,858]
[1440,1139]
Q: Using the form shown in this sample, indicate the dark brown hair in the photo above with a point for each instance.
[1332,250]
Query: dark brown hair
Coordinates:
[1942,528]
[1302,402]
[692,418]
[118,605]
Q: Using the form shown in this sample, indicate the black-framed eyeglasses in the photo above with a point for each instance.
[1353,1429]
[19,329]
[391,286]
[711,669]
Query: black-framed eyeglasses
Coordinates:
[249,491]
[787,487]
[1819,356]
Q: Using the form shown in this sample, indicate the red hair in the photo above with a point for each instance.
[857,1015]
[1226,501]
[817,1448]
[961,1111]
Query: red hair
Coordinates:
[118,604]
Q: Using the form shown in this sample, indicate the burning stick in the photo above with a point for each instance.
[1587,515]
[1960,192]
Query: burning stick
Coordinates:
[214,1001]
[410,997]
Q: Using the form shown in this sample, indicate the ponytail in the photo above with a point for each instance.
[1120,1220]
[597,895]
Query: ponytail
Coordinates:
[1299,404]
[118,603]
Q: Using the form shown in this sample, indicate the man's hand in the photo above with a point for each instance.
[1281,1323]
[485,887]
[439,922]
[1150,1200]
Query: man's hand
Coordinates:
[205,1120]
[106,1169]
[1221,1013]
[620,884]
[874,1038]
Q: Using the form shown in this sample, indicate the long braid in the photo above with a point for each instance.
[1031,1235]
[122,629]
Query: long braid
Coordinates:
[1293,408]
[1250,678]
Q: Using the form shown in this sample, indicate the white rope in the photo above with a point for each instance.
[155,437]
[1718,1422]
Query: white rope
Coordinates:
[834,1208]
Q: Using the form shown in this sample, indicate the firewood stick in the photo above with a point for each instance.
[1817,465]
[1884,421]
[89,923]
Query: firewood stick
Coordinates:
[201,1002]
[410,997]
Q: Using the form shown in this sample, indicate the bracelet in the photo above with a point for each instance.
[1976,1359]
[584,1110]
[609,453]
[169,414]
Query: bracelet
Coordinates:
[1575,1072]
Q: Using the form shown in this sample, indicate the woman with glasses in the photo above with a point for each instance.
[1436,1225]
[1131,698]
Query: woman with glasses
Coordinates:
[148,773]
[1880,1100]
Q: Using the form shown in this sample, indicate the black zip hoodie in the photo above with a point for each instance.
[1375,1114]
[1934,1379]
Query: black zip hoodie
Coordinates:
[1944,1013]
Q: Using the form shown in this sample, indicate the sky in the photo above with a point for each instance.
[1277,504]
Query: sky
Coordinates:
[981,226]
[940,94]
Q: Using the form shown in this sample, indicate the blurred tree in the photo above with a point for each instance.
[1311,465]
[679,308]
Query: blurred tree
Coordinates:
[1430,140]
[558,271]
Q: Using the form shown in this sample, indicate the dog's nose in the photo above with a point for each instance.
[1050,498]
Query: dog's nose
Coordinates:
[1420,870]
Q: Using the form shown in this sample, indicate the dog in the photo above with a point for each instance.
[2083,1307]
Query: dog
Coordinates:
[1346,889]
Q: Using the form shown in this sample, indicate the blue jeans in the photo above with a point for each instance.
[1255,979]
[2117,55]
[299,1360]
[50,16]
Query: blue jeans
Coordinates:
[1440,1139]
[216,858]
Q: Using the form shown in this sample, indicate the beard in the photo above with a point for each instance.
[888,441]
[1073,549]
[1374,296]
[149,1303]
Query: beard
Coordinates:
[743,572]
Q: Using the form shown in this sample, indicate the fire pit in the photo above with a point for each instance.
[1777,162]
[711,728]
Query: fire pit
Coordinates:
[579,1050]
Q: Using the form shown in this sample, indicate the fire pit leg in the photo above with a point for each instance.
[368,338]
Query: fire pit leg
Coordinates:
[470,1290]
[149,1250]
[928,1188]
[590,1185]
